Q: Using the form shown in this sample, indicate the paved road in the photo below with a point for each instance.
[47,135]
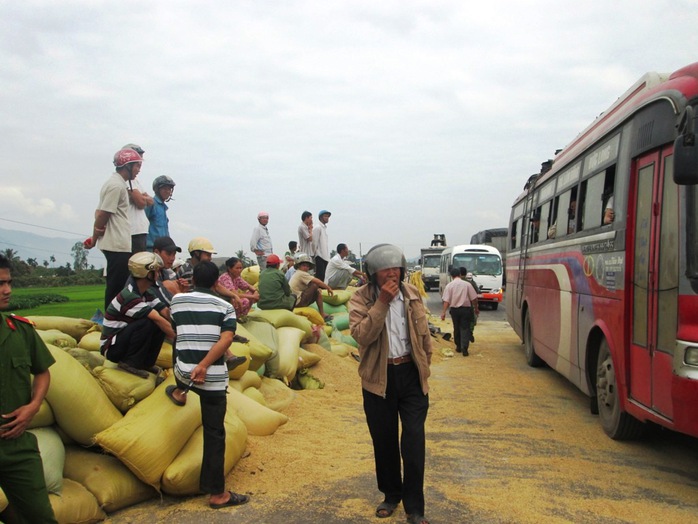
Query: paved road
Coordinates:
[506,443]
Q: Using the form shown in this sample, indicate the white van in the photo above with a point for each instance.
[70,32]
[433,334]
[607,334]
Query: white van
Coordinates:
[484,262]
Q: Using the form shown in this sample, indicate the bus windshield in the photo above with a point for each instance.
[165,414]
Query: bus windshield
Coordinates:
[479,263]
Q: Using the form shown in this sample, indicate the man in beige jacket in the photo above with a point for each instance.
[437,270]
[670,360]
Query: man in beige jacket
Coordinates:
[388,320]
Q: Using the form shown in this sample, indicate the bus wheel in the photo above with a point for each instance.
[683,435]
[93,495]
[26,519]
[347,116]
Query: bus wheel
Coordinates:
[495,305]
[616,423]
[532,359]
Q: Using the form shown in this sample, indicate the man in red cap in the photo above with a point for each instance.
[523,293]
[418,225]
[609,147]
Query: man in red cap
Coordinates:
[274,290]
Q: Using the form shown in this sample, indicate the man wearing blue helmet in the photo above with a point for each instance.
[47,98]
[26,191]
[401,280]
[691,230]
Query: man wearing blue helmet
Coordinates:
[321,245]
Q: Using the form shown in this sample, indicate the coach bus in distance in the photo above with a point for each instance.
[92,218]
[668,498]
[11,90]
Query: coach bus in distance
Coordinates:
[484,262]
[602,266]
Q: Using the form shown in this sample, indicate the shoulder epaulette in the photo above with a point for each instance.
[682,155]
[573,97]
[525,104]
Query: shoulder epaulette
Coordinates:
[22,319]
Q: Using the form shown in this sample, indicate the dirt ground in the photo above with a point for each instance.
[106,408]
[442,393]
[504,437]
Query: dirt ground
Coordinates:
[505,443]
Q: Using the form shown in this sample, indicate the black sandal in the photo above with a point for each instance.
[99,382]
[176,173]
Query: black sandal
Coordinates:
[385,509]
[236,499]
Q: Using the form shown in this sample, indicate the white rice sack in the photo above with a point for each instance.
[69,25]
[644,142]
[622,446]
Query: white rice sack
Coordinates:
[52,454]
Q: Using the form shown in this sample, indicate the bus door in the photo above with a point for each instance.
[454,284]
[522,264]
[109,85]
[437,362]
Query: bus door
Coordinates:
[654,267]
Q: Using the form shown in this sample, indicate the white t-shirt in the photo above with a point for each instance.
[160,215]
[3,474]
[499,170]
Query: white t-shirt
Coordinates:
[136,217]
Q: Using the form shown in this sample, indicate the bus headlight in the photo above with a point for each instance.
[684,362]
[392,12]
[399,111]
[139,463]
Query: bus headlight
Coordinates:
[691,356]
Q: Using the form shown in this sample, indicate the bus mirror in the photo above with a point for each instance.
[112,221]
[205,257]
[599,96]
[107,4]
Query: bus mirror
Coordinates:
[686,150]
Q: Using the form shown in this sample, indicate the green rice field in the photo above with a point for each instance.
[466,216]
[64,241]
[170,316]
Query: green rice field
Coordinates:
[84,301]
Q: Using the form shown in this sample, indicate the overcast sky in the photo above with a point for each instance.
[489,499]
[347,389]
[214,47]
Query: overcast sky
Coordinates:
[403,118]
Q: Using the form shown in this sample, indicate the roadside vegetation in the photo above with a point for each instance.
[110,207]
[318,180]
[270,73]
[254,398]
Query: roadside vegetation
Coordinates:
[70,291]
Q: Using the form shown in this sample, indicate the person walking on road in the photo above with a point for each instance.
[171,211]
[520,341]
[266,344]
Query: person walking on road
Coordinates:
[461,298]
[389,321]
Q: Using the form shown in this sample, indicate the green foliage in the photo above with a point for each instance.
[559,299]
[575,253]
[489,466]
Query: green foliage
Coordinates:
[32,301]
[82,302]
[42,277]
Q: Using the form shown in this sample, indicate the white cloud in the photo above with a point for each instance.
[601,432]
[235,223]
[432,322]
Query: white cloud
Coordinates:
[442,107]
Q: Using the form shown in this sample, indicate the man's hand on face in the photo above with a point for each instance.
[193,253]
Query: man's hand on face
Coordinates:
[389,291]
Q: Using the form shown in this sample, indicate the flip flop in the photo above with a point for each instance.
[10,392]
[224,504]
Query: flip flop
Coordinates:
[415,518]
[169,390]
[385,509]
[234,362]
[236,499]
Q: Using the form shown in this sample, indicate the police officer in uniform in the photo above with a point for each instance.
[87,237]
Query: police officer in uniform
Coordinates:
[22,353]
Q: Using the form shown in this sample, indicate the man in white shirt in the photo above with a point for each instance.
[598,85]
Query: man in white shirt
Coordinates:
[138,201]
[320,245]
[339,272]
[305,234]
[260,243]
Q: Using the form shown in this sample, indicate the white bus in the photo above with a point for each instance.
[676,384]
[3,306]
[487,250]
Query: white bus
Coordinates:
[484,262]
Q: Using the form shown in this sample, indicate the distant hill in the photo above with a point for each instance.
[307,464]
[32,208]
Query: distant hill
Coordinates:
[29,245]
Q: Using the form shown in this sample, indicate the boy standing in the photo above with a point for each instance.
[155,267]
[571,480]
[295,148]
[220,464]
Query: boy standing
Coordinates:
[205,325]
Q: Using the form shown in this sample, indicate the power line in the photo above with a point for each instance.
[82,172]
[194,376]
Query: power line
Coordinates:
[43,227]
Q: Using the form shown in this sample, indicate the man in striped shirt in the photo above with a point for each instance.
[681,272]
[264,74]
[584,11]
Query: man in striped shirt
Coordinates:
[205,325]
[136,321]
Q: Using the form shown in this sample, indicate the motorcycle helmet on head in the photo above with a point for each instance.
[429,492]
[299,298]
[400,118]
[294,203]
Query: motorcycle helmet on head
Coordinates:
[142,263]
[163,181]
[201,244]
[384,256]
[138,149]
[126,156]
[302,258]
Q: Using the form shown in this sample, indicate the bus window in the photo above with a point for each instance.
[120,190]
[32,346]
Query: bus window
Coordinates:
[609,213]
[514,228]
[535,226]
[566,218]
[572,211]
[596,192]
[552,217]
[592,205]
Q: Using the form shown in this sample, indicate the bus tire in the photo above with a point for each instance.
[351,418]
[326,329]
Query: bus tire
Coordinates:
[532,359]
[495,305]
[615,422]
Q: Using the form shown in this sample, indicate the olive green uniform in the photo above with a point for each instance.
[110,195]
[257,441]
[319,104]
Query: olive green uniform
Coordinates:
[22,353]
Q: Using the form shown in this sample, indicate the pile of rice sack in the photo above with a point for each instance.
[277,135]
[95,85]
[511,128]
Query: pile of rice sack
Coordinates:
[109,439]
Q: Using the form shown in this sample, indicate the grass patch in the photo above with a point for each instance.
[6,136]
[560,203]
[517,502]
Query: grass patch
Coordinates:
[83,301]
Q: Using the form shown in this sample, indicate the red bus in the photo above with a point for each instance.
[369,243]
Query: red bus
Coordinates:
[602,265]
